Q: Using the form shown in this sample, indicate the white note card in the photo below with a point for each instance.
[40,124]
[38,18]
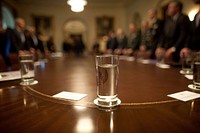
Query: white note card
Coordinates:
[12,75]
[163,66]
[190,77]
[185,95]
[70,95]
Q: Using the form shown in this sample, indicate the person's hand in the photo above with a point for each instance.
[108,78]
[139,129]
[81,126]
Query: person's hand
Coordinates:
[32,50]
[22,52]
[184,51]
[129,51]
[159,52]
[118,51]
[109,51]
[142,48]
[169,52]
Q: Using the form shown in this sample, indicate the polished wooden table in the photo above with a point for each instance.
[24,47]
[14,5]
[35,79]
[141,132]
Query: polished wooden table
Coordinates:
[143,90]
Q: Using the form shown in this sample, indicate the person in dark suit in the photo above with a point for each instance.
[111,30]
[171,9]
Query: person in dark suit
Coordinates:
[35,44]
[193,42]
[134,38]
[111,43]
[19,43]
[156,27]
[121,42]
[3,39]
[175,32]
[146,45]
[4,44]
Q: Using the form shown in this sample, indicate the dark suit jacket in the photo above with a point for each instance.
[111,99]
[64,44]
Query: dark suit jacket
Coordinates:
[16,42]
[156,30]
[38,46]
[3,40]
[122,42]
[194,42]
[175,34]
[111,43]
[134,40]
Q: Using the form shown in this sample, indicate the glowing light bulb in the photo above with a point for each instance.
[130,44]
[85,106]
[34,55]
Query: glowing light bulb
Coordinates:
[77,5]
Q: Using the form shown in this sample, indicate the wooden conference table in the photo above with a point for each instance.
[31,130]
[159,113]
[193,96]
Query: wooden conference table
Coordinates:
[143,90]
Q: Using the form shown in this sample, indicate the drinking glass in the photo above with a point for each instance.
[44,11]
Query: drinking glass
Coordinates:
[161,57]
[196,71]
[107,74]
[186,63]
[27,69]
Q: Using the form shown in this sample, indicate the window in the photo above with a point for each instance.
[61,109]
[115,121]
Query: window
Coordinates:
[8,19]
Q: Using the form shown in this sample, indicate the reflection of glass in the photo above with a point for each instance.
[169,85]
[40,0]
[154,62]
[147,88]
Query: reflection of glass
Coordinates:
[195,111]
[85,125]
[107,72]
[186,63]
[111,122]
[27,69]
[196,71]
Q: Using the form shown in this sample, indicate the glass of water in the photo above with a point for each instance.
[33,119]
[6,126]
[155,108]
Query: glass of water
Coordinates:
[27,69]
[186,63]
[107,74]
[196,70]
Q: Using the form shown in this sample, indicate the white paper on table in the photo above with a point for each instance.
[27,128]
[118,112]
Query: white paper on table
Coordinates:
[57,54]
[12,75]
[184,95]
[190,77]
[70,95]
[130,58]
[163,66]
[145,61]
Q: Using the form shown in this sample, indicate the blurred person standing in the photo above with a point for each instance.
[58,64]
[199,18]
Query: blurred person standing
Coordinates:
[78,46]
[35,43]
[51,45]
[121,42]
[95,46]
[5,44]
[156,27]
[111,42]
[175,32]
[19,39]
[194,41]
[146,45]
[67,45]
[134,39]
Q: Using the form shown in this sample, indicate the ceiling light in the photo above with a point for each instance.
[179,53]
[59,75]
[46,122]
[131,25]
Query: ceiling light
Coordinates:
[77,5]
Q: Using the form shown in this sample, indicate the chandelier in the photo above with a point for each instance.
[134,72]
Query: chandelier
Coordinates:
[77,5]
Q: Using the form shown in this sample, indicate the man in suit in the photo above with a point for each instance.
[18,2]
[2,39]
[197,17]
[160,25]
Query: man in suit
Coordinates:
[175,32]
[134,38]
[156,26]
[121,41]
[19,42]
[146,45]
[194,40]
[111,43]
[35,44]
